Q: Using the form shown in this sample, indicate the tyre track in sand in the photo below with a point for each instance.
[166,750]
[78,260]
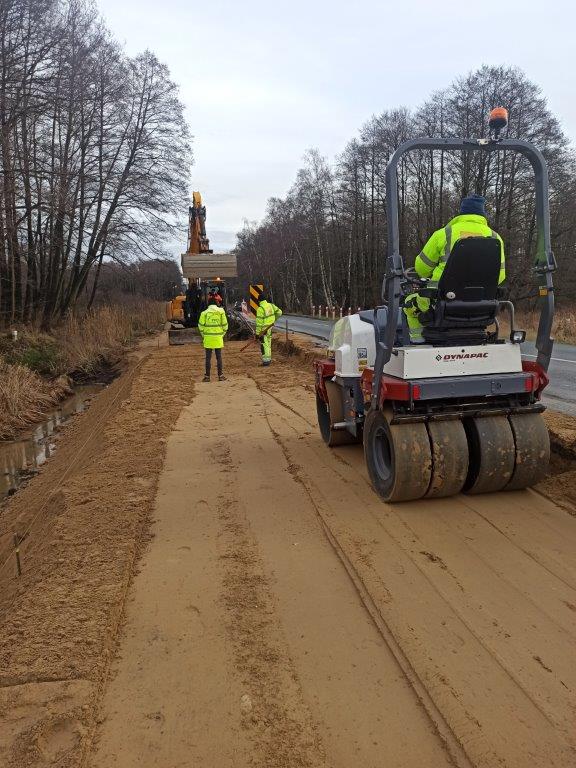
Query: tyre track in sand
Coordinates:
[454,748]
[278,664]
[512,644]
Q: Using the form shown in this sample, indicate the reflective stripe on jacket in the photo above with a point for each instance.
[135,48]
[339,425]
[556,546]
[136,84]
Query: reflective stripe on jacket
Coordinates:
[266,315]
[432,259]
[212,325]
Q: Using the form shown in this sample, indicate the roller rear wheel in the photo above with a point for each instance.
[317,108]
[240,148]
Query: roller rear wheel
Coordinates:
[449,458]
[492,454]
[397,456]
[331,413]
[532,443]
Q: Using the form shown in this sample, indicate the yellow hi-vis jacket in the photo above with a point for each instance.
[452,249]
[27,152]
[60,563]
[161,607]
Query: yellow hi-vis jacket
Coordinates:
[266,315]
[432,259]
[212,325]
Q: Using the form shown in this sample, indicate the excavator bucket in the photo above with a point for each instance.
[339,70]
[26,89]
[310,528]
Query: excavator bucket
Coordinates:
[209,266]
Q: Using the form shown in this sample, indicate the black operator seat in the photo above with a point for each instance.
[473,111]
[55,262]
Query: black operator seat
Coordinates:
[465,301]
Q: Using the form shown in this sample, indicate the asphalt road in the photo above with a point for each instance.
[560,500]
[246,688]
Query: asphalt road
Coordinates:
[560,393]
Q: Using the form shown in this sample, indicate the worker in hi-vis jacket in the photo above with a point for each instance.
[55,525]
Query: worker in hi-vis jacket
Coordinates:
[430,262]
[266,315]
[213,325]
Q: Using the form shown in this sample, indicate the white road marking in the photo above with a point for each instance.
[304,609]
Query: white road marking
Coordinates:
[321,323]
[556,359]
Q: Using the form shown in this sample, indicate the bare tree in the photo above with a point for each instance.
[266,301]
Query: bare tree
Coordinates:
[95,153]
[326,242]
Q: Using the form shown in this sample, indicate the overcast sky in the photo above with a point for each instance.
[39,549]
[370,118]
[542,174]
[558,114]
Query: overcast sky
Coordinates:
[264,80]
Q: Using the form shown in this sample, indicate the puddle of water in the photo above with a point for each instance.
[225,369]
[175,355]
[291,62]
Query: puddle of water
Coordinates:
[19,459]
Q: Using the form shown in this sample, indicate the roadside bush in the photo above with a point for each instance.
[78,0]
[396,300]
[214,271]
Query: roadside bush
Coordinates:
[83,342]
[563,331]
[33,367]
[37,351]
[88,342]
[565,326]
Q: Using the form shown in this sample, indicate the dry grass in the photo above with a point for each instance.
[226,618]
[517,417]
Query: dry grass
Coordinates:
[564,328]
[86,343]
[34,369]
[25,397]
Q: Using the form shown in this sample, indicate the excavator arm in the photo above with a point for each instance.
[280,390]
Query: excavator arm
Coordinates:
[199,263]
[197,240]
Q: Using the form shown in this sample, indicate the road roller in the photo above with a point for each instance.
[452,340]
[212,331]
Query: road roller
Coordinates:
[461,412]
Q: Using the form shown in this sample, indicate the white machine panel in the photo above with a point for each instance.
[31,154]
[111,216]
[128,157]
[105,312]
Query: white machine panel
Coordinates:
[354,348]
[353,344]
[427,362]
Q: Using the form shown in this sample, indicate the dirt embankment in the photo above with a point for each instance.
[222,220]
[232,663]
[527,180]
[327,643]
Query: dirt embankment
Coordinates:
[282,615]
[560,486]
[81,524]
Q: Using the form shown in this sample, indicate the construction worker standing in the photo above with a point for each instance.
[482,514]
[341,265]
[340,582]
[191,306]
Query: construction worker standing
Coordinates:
[266,315]
[213,325]
[432,259]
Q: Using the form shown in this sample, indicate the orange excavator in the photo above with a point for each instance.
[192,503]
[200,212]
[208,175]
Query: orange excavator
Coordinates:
[204,271]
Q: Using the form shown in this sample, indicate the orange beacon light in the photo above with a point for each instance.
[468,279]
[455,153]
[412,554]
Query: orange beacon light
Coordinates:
[498,120]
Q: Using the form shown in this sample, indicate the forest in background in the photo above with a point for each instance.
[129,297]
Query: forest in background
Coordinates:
[94,158]
[325,243]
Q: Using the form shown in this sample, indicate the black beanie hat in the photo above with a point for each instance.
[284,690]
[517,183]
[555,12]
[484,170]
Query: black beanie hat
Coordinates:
[473,204]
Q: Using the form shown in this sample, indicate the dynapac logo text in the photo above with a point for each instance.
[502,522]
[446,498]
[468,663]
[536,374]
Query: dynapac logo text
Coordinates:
[462,356]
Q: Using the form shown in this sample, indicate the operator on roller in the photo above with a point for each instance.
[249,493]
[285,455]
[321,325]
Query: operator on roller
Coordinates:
[266,315]
[213,325]
[431,261]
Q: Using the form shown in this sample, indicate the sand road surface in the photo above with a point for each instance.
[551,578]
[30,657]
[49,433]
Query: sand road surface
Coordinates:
[281,615]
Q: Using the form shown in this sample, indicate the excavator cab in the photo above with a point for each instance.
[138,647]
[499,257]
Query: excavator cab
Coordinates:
[214,289]
[198,297]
